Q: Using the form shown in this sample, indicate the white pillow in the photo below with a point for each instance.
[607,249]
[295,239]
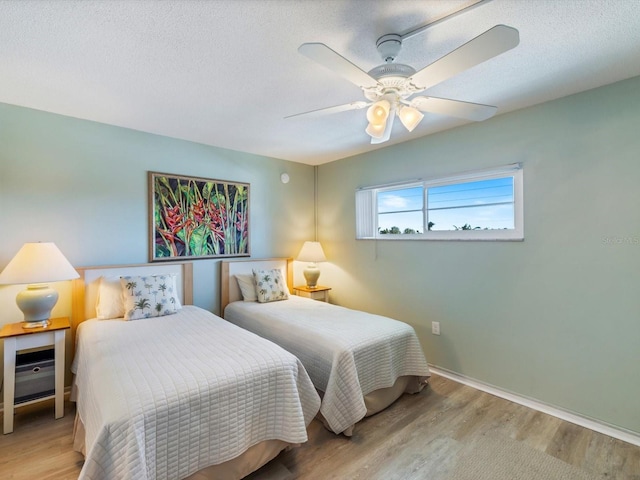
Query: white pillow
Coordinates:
[247,287]
[270,285]
[149,296]
[110,303]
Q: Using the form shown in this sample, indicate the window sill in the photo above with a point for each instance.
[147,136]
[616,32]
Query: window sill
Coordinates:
[446,236]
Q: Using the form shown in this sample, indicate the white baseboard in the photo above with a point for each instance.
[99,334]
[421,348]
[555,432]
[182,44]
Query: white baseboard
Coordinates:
[590,423]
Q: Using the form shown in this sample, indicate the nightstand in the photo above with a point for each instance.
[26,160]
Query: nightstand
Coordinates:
[17,338]
[318,293]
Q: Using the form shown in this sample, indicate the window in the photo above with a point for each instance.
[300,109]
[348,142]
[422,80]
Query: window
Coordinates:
[400,210]
[483,205]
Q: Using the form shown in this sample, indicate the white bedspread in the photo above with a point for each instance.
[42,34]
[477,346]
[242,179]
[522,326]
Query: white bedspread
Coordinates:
[347,353]
[162,398]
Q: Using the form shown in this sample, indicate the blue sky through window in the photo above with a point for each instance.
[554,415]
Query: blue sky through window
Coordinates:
[486,204]
[400,200]
[401,208]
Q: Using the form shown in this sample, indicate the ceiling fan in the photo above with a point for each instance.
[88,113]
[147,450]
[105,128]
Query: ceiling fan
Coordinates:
[389,88]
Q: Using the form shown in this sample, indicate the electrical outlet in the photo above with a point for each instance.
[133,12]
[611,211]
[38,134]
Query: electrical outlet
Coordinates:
[435,328]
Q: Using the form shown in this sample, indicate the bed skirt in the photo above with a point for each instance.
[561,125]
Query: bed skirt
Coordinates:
[378,400]
[234,469]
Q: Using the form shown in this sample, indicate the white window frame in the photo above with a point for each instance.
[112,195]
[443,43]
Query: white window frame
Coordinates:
[367,208]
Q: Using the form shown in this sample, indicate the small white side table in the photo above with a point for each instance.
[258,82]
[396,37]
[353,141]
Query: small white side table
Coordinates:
[317,293]
[17,338]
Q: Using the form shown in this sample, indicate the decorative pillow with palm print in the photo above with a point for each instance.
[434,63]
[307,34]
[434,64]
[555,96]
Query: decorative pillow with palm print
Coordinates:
[270,285]
[149,296]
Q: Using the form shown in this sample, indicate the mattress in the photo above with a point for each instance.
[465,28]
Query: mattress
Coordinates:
[347,353]
[163,398]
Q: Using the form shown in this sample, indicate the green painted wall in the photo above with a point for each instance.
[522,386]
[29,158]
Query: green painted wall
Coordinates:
[556,317]
[83,185]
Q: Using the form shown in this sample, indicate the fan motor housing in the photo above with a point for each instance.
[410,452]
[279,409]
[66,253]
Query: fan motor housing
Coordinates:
[391,70]
[393,78]
[389,46]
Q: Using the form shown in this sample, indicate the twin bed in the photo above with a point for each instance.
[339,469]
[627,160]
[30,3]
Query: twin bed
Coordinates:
[188,395]
[183,395]
[360,363]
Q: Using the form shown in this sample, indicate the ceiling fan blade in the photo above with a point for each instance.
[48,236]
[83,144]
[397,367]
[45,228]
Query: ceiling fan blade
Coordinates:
[335,62]
[454,108]
[329,110]
[387,131]
[491,43]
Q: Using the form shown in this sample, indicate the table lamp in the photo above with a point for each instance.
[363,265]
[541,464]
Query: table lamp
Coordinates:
[311,252]
[35,265]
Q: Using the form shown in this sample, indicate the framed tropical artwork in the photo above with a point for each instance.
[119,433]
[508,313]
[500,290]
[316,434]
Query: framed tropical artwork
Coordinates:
[193,218]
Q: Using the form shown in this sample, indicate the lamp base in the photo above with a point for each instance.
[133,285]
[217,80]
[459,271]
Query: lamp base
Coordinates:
[311,274]
[36,303]
[40,324]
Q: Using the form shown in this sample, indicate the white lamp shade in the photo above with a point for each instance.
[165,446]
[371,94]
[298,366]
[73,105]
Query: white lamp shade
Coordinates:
[376,131]
[410,117]
[38,263]
[311,252]
[378,112]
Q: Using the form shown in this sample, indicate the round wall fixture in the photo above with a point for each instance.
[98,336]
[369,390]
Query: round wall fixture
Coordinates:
[284,178]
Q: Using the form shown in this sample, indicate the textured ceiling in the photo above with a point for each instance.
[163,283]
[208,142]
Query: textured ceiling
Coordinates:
[227,72]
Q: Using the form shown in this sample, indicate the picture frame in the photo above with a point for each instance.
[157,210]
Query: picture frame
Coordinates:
[195,218]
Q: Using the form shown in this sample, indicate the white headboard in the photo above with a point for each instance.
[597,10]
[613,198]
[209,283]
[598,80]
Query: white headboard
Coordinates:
[229,290]
[85,288]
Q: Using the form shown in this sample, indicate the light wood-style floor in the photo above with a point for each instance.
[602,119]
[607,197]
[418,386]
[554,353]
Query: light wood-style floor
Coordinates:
[41,447]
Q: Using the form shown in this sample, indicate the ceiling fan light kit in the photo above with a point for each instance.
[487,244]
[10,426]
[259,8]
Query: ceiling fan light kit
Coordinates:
[410,117]
[390,87]
[375,131]
[378,112]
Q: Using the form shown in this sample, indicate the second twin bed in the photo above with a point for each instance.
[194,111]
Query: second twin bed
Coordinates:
[359,362]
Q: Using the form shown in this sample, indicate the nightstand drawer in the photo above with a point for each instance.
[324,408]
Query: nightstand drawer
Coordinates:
[35,376]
